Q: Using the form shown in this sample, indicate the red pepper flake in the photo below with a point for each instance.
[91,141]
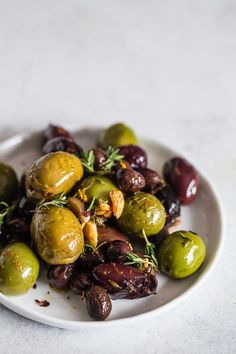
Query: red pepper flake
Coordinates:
[35,286]
[42,303]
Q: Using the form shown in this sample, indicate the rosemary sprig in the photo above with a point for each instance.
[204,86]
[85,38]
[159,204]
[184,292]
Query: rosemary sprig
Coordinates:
[91,205]
[150,249]
[59,201]
[134,259]
[87,161]
[5,208]
[90,247]
[113,156]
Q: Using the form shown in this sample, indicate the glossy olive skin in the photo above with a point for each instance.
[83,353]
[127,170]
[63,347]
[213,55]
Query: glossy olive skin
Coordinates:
[181,254]
[183,178]
[98,303]
[62,144]
[16,230]
[134,155]
[19,268]
[59,275]
[118,135]
[129,181]
[53,174]
[98,187]
[116,251]
[99,158]
[80,282]
[57,234]
[152,179]
[8,183]
[53,131]
[170,201]
[142,211]
[109,233]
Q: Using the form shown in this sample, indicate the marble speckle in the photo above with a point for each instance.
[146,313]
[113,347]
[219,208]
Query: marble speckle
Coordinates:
[168,70]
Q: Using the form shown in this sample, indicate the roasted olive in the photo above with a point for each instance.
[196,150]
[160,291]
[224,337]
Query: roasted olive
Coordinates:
[152,179]
[98,187]
[170,201]
[62,144]
[129,181]
[110,233]
[134,155]
[8,183]
[123,281]
[59,275]
[121,164]
[99,158]
[183,178]
[57,234]
[118,135]
[98,303]
[25,208]
[181,254]
[142,212]
[53,174]
[53,131]
[19,269]
[88,260]
[16,229]
[80,282]
[116,251]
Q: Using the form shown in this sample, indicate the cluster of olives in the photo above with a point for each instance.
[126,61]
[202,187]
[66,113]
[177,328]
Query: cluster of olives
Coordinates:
[80,212]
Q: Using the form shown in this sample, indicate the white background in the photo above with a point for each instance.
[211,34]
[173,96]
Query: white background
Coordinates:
[167,68]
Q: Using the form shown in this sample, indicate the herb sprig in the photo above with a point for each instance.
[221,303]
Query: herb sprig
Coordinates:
[150,249]
[4,210]
[59,201]
[134,259]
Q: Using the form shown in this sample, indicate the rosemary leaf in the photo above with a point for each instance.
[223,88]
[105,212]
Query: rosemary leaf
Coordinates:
[59,201]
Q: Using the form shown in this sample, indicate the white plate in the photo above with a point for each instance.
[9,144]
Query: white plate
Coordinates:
[204,216]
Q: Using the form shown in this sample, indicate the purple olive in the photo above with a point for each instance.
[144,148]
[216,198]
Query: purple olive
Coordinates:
[26,208]
[88,260]
[116,251]
[170,201]
[99,158]
[159,238]
[98,303]
[121,164]
[53,131]
[59,275]
[80,283]
[129,181]
[124,281]
[152,179]
[183,178]
[62,143]
[134,155]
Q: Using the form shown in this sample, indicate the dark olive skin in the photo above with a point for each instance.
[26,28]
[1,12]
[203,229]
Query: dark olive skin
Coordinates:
[19,268]
[181,254]
[98,187]
[16,230]
[62,144]
[88,260]
[57,234]
[98,303]
[170,201]
[134,155]
[122,164]
[118,135]
[183,178]
[59,275]
[152,179]
[116,251]
[129,181]
[81,282]
[8,183]
[99,158]
[109,233]
[53,131]
[142,211]
[53,174]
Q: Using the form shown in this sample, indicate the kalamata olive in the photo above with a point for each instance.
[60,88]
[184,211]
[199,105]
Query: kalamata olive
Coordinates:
[152,179]
[59,275]
[99,158]
[16,230]
[159,238]
[88,260]
[80,282]
[121,164]
[124,281]
[116,251]
[129,181]
[134,155]
[53,131]
[183,178]
[98,303]
[26,208]
[62,143]
[110,233]
[170,201]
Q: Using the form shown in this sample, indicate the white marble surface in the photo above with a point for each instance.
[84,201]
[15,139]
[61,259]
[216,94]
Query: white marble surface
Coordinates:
[168,69]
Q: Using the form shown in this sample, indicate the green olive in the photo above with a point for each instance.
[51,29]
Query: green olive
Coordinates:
[53,174]
[181,254]
[118,135]
[98,187]
[8,183]
[57,234]
[19,268]
[142,211]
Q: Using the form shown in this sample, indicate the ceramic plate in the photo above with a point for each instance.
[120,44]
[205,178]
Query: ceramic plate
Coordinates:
[66,310]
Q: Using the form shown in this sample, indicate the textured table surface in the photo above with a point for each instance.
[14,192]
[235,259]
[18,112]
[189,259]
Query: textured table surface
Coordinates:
[168,69]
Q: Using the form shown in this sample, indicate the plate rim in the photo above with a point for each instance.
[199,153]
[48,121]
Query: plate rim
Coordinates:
[18,138]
